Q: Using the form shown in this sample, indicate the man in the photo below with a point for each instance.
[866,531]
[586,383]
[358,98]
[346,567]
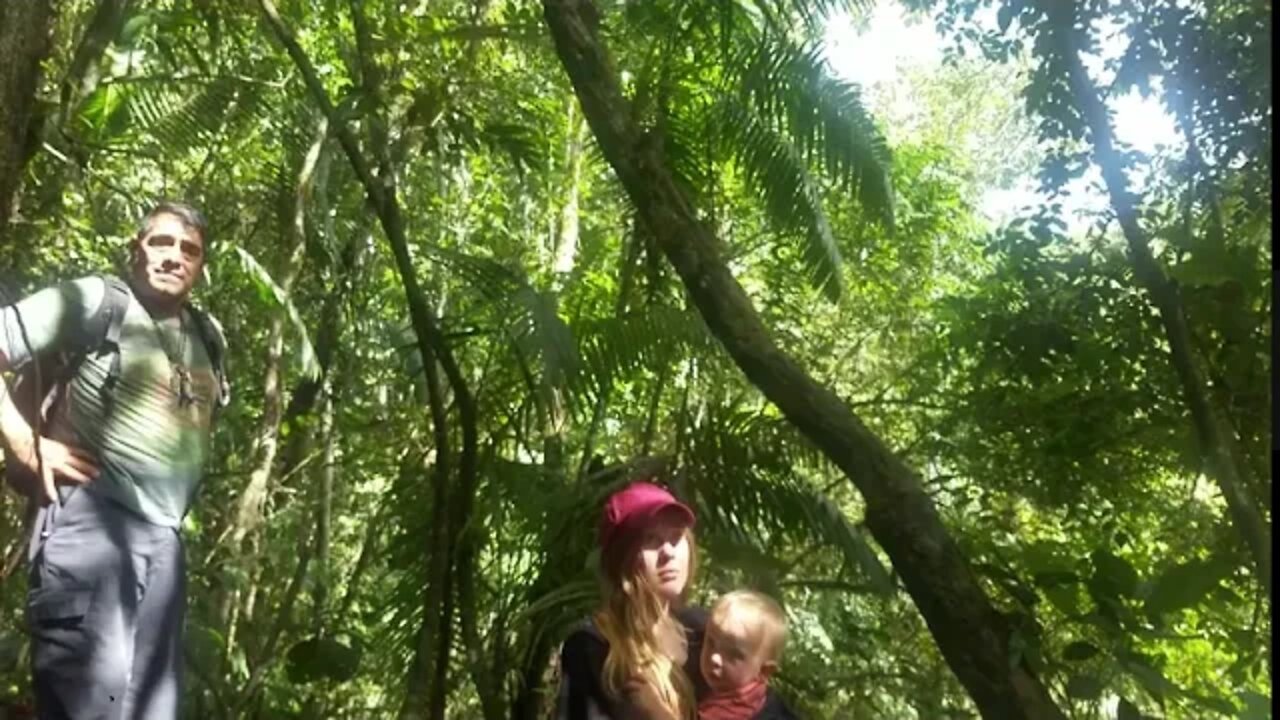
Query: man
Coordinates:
[116,464]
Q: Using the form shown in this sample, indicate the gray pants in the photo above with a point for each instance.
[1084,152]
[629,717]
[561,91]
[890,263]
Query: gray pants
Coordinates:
[105,610]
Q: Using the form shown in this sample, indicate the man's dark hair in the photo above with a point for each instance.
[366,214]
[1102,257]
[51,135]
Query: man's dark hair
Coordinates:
[192,218]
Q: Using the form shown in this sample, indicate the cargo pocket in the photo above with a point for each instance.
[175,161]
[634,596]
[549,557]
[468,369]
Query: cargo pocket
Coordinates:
[58,608]
[64,663]
[60,640]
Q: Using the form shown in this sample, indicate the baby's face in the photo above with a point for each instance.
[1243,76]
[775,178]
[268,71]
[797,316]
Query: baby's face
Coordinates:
[731,655]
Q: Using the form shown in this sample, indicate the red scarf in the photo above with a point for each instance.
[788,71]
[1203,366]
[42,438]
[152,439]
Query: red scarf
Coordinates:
[740,704]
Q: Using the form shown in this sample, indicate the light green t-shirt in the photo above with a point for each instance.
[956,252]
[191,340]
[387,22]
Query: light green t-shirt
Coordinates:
[151,450]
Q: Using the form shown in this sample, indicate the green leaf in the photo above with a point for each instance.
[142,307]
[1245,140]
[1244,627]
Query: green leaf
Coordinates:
[268,286]
[321,658]
[1127,711]
[1148,676]
[10,652]
[1004,16]
[1055,579]
[1084,687]
[1066,598]
[1183,585]
[1045,557]
[1079,651]
[1114,574]
[1219,705]
[1256,706]
[792,196]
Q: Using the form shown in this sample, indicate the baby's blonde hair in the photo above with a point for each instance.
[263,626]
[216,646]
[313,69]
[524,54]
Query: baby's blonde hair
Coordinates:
[763,617]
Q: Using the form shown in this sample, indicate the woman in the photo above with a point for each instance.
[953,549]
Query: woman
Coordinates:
[637,657]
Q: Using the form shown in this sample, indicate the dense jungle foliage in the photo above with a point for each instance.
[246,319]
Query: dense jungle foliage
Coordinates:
[479,261]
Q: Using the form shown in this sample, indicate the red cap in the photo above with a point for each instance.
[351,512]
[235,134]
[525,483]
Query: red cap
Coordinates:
[634,507]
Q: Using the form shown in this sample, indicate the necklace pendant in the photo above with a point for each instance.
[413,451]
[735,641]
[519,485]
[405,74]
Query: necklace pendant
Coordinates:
[182,386]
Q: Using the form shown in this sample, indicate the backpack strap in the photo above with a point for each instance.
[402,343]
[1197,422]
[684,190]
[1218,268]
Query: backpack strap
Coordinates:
[100,335]
[215,347]
[103,331]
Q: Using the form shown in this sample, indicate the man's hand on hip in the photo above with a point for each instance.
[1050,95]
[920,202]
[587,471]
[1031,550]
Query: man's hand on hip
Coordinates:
[62,463]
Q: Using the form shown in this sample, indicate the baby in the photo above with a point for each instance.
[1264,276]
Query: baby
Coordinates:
[740,650]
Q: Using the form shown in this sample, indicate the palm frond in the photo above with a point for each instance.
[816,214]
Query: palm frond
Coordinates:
[540,328]
[812,13]
[749,493]
[621,346]
[182,116]
[792,510]
[521,143]
[791,87]
[776,168]
[685,144]
[529,316]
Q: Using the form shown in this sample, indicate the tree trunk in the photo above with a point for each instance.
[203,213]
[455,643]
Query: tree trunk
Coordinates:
[1213,436]
[971,634]
[249,509]
[24,41]
[431,343]
[566,245]
[324,514]
[83,75]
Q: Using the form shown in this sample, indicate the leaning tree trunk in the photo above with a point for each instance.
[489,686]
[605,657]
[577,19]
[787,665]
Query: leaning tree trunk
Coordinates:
[1215,438]
[972,635]
[24,41]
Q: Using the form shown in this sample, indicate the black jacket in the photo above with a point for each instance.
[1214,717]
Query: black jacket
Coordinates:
[582,671]
[774,709]
[582,666]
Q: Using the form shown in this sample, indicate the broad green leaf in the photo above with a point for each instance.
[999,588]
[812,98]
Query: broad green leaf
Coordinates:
[1045,557]
[1084,687]
[1219,705]
[321,658]
[1066,598]
[1256,706]
[1127,711]
[268,286]
[1183,585]
[1079,650]
[1114,573]
[1149,677]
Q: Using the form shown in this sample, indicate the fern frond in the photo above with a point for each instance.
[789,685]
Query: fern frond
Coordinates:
[776,169]
[184,116]
[747,489]
[621,346]
[791,87]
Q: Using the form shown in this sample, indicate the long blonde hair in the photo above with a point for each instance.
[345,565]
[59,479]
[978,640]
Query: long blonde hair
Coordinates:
[632,620]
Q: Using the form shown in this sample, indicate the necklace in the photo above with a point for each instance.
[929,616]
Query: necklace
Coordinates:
[179,375]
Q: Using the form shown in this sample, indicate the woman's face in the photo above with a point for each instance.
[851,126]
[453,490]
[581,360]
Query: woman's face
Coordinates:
[663,557]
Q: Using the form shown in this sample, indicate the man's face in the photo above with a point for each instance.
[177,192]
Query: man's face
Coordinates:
[731,655]
[168,259]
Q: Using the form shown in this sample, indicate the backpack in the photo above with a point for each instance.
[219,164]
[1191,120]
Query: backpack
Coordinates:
[39,385]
